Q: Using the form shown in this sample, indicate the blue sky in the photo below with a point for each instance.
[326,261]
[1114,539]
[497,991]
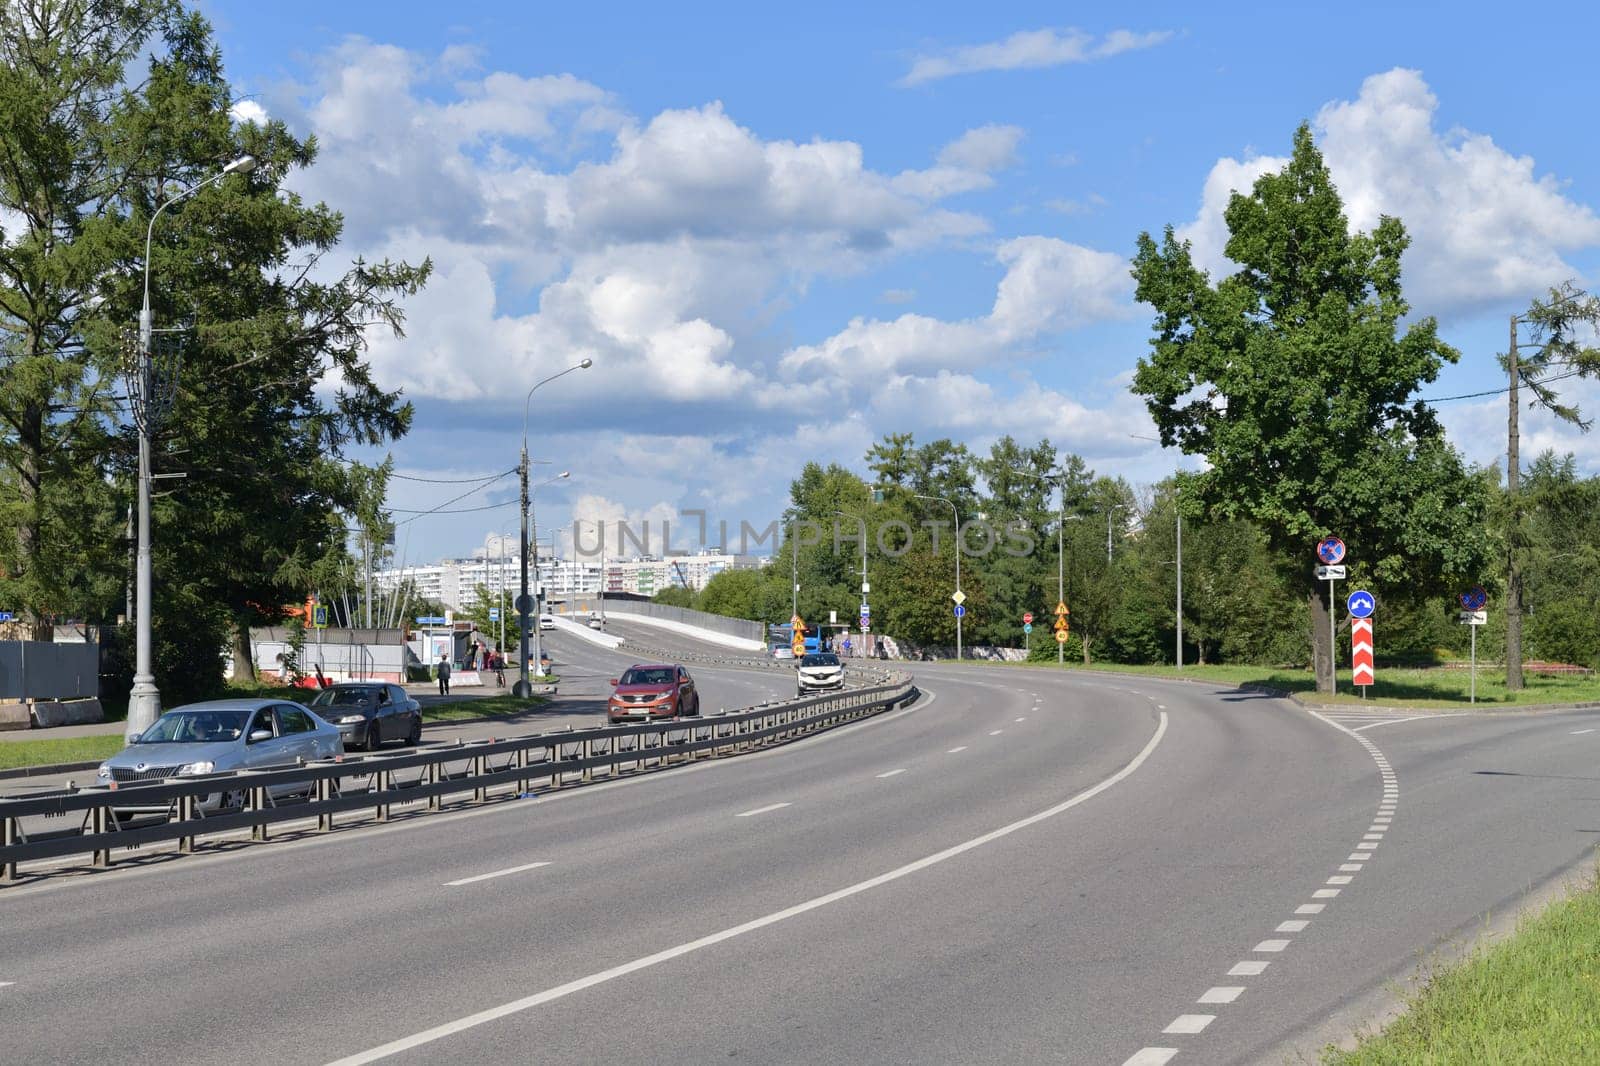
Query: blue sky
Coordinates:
[784,233]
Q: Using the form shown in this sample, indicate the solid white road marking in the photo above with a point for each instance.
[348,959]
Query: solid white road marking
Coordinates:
[891,773]
[497,873]
[1271,945]
[996,732]
[1151,1056]
[952,751]
[1292,927]
[1310,908]
[1248,968]
[761,810]
[1221,994]
[1190,1023]
[516,1006]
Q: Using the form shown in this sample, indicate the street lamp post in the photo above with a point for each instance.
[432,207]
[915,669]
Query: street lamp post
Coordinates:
[538,589]
[1177,510]
[959,613]
[865,588]
[144,699]
[524,688]
[1059,477]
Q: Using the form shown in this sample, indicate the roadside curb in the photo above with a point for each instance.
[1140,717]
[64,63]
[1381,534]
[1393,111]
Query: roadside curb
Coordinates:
[44,771]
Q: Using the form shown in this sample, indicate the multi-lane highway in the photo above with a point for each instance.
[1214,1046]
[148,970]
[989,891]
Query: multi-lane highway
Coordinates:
[1025,866]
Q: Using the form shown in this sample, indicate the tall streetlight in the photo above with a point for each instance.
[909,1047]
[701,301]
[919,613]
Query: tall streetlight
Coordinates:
[601,585]
[524,604]
[144,699]
[538,594]
[1177,490]
[1058,477]
[865,588]
[961,609]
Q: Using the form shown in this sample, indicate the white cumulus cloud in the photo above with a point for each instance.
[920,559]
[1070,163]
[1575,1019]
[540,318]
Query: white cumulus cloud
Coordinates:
[1030,49]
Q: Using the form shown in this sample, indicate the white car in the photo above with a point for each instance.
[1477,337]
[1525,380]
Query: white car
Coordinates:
[782,651]
[547,622]
[819,670]
[596,622]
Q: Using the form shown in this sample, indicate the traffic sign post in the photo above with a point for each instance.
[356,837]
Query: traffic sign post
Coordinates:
[1472,602]
[1027,618]
[1330,552]
[319,616]
[961,612]
[1361,671]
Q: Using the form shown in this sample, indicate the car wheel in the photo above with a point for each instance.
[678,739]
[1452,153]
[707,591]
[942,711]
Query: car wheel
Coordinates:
[374,739]
[414,737]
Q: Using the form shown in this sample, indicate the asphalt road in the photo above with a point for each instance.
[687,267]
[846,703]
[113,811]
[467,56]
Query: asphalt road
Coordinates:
[1026,866]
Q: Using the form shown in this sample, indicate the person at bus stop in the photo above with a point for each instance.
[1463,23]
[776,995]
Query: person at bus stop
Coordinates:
[847,647]
[444,674]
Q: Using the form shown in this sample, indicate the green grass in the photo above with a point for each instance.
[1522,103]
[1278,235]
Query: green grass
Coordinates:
[1424,689]
[479,707]
[1532,998]
[17,753]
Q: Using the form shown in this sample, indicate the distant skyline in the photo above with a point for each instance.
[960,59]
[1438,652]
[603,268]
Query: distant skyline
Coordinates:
[781,237]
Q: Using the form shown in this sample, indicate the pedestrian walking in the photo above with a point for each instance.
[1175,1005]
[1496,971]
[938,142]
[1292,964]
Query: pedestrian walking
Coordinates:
[847,647]
[444,674]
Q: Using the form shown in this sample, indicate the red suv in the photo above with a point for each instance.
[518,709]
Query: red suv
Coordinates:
[646,692]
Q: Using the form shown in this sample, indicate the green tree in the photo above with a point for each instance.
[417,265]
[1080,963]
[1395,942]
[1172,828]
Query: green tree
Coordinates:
[735,594]
[1295,380]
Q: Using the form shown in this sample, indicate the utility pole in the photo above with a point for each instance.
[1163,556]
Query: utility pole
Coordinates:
[1177,494]
[523,687]
[1514,563]
[366,556]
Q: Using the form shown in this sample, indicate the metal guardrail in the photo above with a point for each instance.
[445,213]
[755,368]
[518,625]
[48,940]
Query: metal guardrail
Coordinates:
[569,757]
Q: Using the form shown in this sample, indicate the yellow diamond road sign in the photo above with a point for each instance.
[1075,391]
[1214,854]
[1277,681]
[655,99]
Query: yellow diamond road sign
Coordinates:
[960,597]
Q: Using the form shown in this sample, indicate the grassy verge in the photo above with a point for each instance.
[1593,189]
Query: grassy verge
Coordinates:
[480,707]
[17,753]
[1532,998]
[1424,689]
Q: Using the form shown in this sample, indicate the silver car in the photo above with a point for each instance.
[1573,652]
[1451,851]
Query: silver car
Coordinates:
[205,738]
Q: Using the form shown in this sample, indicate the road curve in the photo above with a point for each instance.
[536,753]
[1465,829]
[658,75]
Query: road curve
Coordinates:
[1026,866]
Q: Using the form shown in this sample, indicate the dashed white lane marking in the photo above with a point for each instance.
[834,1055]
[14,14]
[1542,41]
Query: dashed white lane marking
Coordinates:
[1022,719]
[1249,968]
[1310,908]
[1151,1056]
[952,751]
[517,1006]
[1351,867]
[1221,994]
[1271,945]
[1190,1023]
[761,810]
[996,732]
[1340,879]
[6,984]
[1325,893]
[891,773]
[1580,732]
[1295,926]
[496,873]
[1360,856]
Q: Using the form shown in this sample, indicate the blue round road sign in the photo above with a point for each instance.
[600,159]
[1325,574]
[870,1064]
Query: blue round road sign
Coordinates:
[1330,550]
[1360,604]
[1474,598]
[1027,627]
[960,610]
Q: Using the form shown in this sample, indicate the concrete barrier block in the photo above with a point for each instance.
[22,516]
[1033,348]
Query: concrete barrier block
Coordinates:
[47,713]
[14,716]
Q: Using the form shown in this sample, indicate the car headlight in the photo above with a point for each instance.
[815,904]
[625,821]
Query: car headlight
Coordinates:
[104,772]
[194,769]
[349,718]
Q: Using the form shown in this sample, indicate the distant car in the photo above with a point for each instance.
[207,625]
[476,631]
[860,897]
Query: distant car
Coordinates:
[596,622]
[782,651]
[547,621]
[818,671]
[646,692]
[205,738]
[369,713]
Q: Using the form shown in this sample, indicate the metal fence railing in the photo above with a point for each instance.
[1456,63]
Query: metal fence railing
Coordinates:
[469,772]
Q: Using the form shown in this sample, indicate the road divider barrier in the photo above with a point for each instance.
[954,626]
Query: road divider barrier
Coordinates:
[462,773]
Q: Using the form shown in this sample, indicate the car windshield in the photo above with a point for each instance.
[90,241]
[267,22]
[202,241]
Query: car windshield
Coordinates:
[343,697]
[656,675]
[826,658]
[196,727]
